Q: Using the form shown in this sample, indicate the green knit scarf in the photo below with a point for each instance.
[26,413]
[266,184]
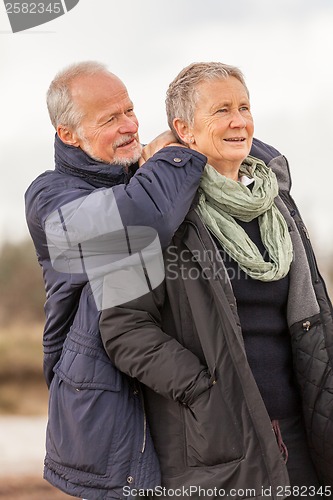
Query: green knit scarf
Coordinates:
[222,200]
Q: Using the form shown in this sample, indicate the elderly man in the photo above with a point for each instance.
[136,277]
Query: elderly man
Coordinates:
[97,438]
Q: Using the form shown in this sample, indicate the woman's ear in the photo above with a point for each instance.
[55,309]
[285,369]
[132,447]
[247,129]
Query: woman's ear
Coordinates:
[68,136]
[183,131]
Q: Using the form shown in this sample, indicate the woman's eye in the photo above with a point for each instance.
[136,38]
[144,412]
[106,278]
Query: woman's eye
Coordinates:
[222,110]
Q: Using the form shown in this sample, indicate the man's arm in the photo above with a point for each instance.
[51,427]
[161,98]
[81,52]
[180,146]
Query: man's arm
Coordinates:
[119,231]
[158,196]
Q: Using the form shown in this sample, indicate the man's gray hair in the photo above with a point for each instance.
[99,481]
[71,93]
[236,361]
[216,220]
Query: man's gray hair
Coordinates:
[60,104]
[182,95]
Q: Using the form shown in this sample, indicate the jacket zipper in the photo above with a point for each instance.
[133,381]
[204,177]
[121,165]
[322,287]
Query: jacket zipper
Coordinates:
[309,252]
[144,430]
[143,447]
[138,392]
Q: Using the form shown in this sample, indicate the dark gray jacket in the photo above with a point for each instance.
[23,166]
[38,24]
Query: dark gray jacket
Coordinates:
[184,342]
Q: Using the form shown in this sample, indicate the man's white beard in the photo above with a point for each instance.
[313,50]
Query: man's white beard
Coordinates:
[121,161]
[126,162]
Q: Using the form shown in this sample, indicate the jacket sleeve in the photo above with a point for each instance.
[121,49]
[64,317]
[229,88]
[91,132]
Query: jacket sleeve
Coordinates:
[135,342]
[158,196]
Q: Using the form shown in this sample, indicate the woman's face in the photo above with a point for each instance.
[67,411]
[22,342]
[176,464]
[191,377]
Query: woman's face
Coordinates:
[223,125]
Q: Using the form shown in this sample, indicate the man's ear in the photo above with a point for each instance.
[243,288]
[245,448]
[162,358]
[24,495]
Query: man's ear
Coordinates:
[68,136]
[183,130]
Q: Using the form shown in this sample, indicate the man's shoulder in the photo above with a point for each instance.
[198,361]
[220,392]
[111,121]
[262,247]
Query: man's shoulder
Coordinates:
[52,181]
[41,179]
[39,184]
[51,190]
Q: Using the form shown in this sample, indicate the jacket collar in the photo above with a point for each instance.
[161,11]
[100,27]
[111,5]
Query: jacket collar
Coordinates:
[74,161]
[280,167]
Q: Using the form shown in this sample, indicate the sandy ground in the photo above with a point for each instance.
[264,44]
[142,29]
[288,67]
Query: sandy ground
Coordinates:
[21,460]
[29,488]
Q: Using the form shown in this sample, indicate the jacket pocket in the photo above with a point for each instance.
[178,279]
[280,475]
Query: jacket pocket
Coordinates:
[212,436]
[84,420]
[309,352]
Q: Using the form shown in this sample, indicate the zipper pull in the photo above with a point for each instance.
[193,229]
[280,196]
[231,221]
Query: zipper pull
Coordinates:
[306,326]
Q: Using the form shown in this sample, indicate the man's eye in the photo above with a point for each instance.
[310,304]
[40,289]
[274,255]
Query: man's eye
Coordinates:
[130,111]
[244,108]
[110,119]
[222,110]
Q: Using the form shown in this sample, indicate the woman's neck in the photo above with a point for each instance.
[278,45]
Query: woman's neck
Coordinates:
[229,171]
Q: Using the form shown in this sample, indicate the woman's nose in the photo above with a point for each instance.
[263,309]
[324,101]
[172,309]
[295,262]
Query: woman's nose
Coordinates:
[237,120]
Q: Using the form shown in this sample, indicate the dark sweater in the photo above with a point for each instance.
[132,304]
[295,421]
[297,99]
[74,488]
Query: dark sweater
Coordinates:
[262,311]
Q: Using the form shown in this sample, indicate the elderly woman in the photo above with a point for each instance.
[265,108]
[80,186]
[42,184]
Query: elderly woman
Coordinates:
[235,348]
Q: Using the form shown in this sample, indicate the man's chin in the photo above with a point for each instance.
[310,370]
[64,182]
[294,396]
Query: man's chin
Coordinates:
[126,161]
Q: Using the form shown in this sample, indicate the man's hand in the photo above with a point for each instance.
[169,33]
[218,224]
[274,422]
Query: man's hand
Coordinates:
[161,141]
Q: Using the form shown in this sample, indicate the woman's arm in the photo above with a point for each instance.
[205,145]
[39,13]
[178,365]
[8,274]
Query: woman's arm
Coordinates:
[134,340]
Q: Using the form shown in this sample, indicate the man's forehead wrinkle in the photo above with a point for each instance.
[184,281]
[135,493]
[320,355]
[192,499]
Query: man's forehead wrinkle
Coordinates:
[119,106]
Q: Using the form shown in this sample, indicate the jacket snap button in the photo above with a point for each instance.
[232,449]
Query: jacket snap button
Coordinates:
[130,479]
[177,160]
[306,326]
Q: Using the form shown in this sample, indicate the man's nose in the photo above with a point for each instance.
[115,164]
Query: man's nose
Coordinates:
[129,125]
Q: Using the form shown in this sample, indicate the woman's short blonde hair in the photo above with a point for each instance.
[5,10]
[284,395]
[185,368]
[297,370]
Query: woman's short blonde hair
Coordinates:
[182,95]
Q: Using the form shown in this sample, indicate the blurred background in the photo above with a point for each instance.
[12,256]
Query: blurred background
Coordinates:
[284,48]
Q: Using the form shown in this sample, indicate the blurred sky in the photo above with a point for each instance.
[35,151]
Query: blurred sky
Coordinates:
[284,48]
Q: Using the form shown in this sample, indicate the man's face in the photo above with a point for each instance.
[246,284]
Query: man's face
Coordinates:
[108,131]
